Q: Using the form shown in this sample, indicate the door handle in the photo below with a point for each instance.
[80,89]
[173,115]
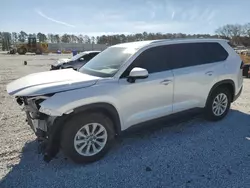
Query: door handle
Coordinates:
[166,82]
[209,73]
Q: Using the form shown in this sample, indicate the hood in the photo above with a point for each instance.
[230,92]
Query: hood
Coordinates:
[50,82]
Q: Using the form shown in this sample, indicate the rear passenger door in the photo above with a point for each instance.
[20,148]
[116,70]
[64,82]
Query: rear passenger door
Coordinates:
[196,67]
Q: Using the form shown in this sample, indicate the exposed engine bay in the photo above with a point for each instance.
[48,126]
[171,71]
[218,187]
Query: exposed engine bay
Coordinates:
[40,123]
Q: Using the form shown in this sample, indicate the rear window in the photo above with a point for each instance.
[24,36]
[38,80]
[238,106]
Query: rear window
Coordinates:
[212,52]
[192,54]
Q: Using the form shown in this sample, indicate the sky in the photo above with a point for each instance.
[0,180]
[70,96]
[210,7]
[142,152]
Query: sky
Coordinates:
[99,17]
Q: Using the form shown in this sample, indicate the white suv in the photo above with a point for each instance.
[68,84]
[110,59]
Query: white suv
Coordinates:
[127,84]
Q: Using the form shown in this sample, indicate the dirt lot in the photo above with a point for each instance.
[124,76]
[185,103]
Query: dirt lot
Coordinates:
[193,153]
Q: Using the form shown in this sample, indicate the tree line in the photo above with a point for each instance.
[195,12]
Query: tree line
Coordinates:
[236,33]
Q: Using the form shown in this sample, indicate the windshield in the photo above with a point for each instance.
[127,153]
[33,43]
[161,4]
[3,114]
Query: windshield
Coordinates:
[77,56]
[108,62]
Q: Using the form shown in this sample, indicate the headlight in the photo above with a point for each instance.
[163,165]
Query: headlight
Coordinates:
[45,111]
[49,112]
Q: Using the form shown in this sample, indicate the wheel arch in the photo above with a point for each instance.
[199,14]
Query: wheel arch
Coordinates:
[106,108]
[224,83]
[59,122]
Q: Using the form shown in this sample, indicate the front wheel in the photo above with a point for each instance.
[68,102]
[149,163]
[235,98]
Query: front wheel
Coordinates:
[21,51]
[87,138]
[218,104]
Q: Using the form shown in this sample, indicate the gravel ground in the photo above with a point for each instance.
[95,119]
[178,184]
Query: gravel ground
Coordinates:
[195,153]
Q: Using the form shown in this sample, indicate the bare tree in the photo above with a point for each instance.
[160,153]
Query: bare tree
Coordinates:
[65,38]
[86,39]
[93,40]
[14,37]
[6,40]
[80,39]
[234,32]
[51,38]
[57,38]
[223,31]
[246,29]
[41,37]
[22,36]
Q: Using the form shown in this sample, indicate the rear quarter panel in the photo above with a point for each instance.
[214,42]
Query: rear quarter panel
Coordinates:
[232,69]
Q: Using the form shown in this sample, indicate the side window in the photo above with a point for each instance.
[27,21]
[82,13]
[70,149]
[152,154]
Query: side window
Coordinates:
[182,55]
[153,59]
[192,54]
[87,57]
[92,55]
[213,52]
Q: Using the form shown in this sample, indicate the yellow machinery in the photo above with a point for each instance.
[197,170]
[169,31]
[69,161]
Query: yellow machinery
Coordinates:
[32,46]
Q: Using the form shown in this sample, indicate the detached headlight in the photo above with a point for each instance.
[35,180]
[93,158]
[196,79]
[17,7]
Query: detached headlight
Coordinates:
[49,112]
[46,111]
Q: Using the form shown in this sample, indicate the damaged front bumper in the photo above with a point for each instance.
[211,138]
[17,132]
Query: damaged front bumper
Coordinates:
[41,124]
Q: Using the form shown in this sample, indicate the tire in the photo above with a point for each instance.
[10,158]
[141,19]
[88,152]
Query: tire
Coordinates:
[81,121]
[12,51]
[21,51]
[225,95]
[38,52]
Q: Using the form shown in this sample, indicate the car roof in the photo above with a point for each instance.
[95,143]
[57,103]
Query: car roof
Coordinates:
[89,52]
[140,44]
[137,44]
[93,51]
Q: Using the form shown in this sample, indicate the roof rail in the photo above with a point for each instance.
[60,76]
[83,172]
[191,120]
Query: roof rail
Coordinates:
[191,38]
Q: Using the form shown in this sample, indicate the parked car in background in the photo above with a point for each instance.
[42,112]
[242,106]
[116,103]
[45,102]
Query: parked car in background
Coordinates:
[246,70]
[76,61]
[127,84]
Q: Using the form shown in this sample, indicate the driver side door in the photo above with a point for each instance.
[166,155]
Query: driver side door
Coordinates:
[148,98]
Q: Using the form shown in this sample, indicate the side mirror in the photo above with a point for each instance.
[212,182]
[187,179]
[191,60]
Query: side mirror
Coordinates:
[81,59]
[137,73]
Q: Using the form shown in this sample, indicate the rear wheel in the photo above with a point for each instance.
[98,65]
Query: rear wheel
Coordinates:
[87,138]
[218,104]
[13,51]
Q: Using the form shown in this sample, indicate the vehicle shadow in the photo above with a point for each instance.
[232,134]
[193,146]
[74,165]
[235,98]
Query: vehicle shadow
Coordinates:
[139,151]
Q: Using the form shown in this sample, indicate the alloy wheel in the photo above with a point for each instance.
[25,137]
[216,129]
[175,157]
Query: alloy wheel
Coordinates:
[219,105]
[90,139]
